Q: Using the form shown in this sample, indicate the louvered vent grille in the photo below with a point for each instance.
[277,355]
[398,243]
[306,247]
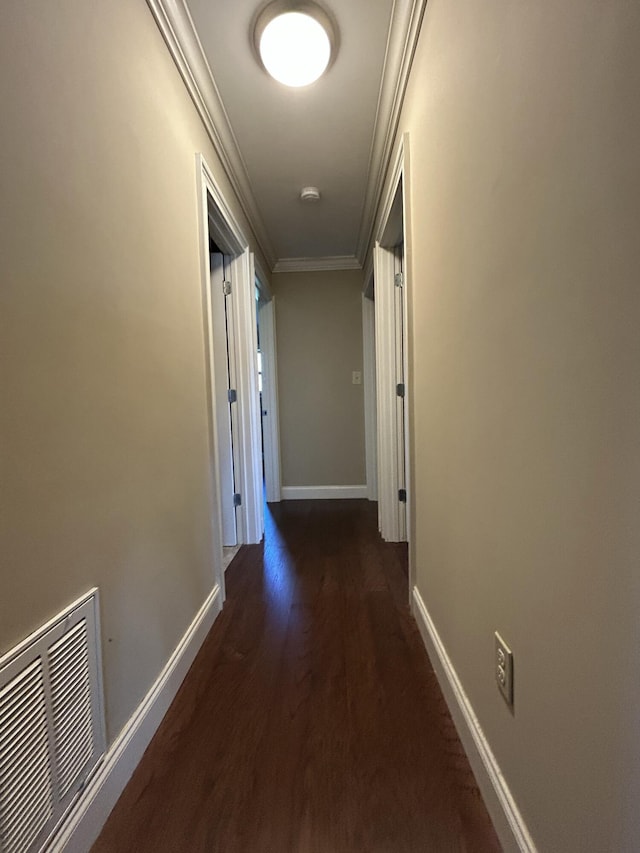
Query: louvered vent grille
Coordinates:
[26,796]
[51,725]
[71,701]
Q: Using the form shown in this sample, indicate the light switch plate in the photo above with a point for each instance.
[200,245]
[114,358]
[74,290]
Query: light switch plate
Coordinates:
[356,377]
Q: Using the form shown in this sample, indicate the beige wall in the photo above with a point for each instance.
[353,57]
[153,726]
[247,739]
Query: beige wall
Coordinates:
[104,441]
[524,122]
[319,329]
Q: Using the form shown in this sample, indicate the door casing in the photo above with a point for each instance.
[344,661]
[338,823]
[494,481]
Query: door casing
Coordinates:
[216,218]
[391,254]
[224,381]
[270,421]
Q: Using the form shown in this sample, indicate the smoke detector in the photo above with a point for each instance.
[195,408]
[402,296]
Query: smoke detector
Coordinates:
[310,194]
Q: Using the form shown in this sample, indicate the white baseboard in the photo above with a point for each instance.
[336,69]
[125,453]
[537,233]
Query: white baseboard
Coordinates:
[507,820]
[303,493]
[87,817]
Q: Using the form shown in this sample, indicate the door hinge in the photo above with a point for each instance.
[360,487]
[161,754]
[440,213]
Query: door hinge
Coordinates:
[402,495]
[232,395]
[398,279]
[226,287]
[400,389]
[237,499]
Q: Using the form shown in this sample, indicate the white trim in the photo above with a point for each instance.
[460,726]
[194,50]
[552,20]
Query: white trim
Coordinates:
[407,296]
[392,344]
[388,477]
[255,414]
[401,46]
[370,413]
[222,370]
[85,820]
[302,493]
[271,421]
[234,273]
[206,186]
[243,337]
[508,821]
[178,30]
[249,477]
[221,221]
[329,262]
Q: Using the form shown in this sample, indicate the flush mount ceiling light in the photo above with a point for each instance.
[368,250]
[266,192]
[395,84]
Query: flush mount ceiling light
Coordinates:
[294,42]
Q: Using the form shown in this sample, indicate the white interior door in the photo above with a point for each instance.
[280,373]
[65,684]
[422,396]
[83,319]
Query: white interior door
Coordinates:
[390,395]
[223,407]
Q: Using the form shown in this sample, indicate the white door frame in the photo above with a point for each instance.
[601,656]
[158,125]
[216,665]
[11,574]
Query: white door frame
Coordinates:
[391,314]
[246,340]
[390,510]
[224,379]
[369,371]
[218,218]
[271,420]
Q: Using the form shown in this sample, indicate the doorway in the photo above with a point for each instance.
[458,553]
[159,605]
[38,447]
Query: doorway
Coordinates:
[391,362]
[227,270]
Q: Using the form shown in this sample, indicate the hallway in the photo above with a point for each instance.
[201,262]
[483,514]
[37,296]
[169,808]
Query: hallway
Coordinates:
[311,719]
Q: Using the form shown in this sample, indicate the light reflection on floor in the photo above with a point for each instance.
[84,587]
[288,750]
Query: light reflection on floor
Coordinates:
[279,566]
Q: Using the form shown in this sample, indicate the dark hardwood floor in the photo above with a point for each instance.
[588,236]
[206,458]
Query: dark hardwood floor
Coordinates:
[311,720]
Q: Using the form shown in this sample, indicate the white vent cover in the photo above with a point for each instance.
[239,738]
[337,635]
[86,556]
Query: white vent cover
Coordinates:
[51,724]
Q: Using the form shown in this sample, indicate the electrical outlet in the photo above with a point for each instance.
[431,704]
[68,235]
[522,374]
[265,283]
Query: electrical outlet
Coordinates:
[504,669]
[356,377]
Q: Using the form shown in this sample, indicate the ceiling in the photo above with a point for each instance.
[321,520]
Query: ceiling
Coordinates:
[274,140]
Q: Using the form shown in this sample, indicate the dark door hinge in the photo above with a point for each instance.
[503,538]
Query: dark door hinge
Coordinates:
[400,389]
[398,279]
[402,495]
[232,395]
[237,499]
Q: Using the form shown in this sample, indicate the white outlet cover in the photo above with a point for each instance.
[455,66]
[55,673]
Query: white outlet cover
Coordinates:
[503,665]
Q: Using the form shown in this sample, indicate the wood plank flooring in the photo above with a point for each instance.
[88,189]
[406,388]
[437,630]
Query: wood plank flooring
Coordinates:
[311,720]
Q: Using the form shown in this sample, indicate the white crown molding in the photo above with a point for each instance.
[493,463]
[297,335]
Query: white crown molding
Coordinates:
[178,30]
[332,262]
[401,44]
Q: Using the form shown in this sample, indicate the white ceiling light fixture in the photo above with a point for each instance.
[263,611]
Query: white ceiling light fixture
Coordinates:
[295,42]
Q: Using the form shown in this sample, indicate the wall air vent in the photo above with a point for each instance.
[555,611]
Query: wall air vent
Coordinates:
[51,724]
